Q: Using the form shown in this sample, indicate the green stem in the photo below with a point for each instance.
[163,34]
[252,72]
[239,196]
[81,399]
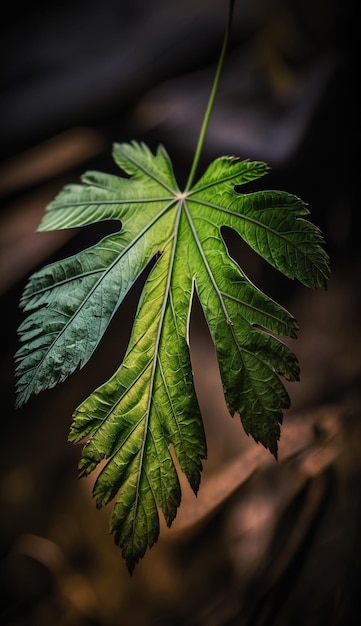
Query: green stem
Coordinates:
[211,98]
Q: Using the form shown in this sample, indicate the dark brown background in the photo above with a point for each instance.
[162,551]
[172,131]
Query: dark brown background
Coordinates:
[264,543]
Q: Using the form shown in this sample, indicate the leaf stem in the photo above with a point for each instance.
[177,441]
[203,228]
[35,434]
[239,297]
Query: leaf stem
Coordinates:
[212,97]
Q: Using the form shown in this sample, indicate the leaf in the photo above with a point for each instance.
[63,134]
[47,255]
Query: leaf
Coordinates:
[148,411]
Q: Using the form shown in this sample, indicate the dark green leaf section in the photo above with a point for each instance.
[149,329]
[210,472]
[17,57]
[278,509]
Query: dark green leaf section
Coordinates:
[71,302]
[149,407]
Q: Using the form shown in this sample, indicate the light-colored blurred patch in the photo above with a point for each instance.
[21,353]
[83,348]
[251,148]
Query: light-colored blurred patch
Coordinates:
[49,159]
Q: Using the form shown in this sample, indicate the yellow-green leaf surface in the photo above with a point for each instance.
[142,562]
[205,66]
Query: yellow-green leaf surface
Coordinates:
[150,403]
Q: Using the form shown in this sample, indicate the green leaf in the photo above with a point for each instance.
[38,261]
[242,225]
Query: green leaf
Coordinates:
[147,414]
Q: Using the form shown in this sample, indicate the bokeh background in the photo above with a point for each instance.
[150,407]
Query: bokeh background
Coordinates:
[264,543]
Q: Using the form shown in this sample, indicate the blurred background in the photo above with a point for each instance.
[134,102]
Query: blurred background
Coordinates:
[264,543]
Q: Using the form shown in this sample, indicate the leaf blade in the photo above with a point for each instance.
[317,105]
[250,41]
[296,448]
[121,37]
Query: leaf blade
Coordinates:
[147,413]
